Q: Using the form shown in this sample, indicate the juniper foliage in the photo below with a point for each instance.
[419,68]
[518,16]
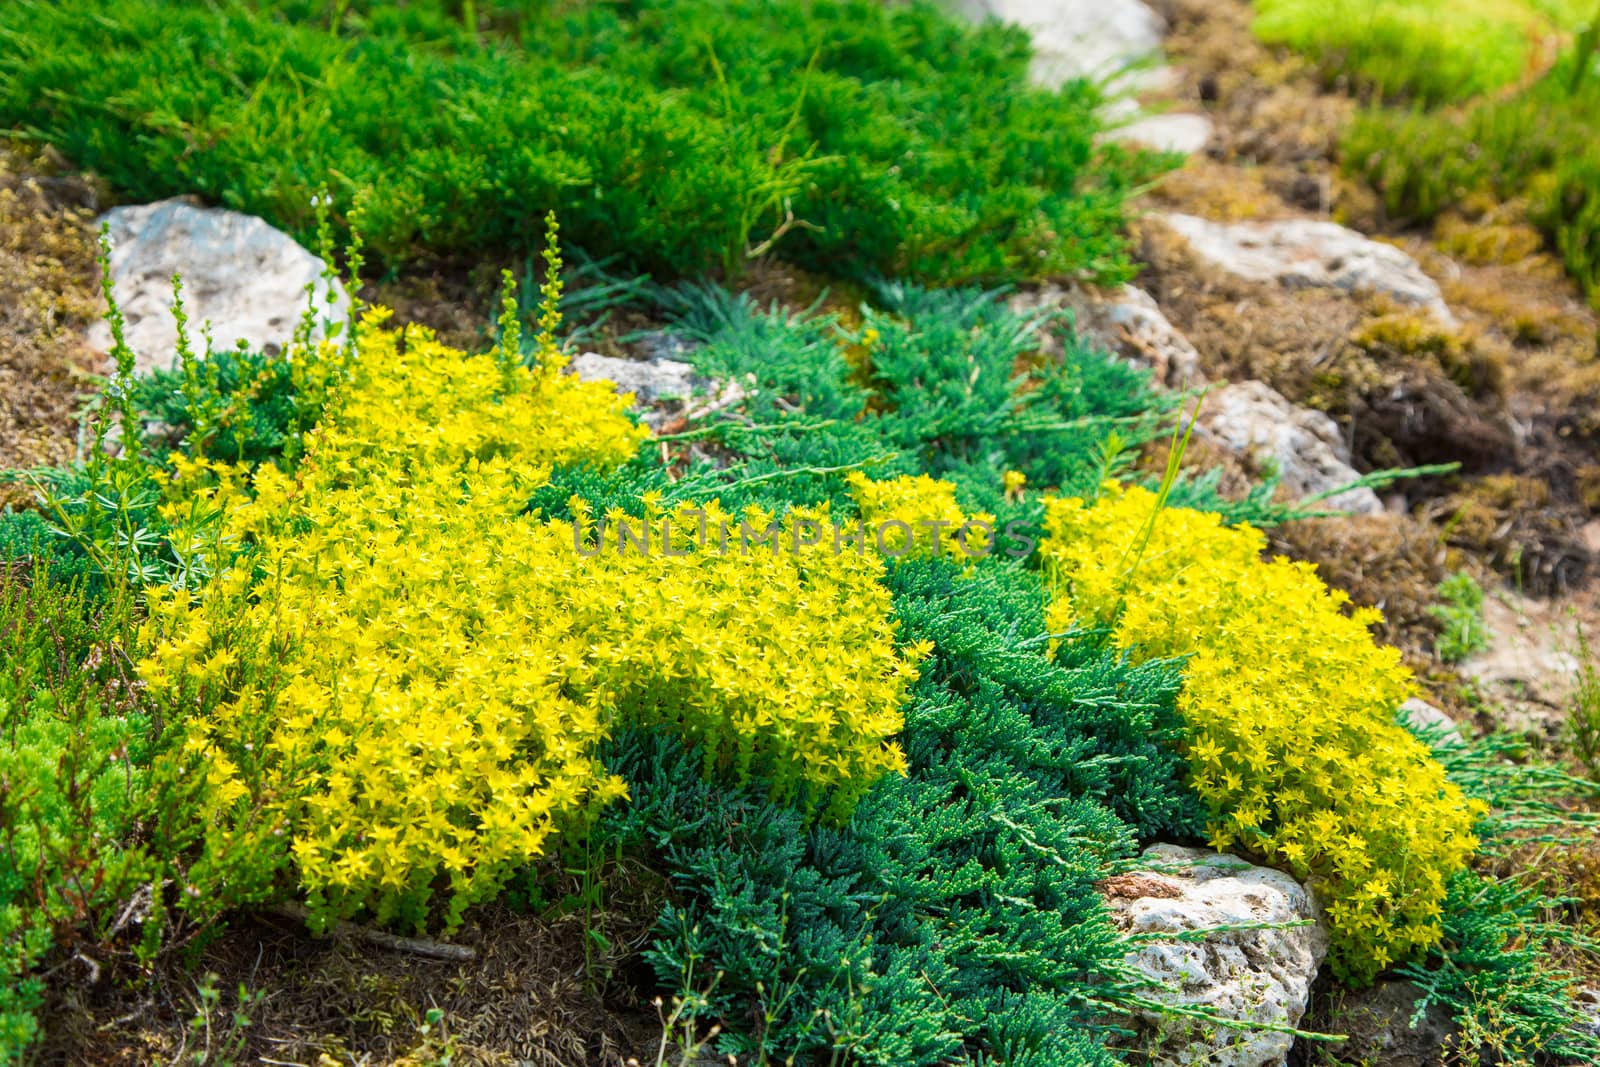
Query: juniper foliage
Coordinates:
[1498,968]
[941,382]
[243,403]
[954,919]
[846,135]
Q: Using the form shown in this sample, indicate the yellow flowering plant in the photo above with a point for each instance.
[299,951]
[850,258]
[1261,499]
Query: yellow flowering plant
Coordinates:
[403,673]
[918,516]
[1290,710]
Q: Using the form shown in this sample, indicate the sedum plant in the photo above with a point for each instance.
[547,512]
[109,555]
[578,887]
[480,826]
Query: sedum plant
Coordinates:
[399,675]
[1289,711]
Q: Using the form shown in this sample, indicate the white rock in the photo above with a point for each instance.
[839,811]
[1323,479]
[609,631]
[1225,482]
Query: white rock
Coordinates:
[1302,253]
[1420,714]
[648,380]
[1253,976]
[240,274]
[1175,131]
[1125,322]
[1255,420]
[663,388]
[1105,40]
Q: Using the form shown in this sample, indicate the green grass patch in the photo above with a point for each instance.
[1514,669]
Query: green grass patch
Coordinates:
[1540,146]
[1462,106]
[1432,51]
[686,135]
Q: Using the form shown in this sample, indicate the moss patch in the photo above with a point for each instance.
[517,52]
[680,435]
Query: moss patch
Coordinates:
[48,294]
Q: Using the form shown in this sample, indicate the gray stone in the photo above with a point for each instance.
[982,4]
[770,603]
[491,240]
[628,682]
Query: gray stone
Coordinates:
[663,389]
[1255,420]
[1588,1003]
[648,380]
[240,274]
[1173,131]
[1252,976]
[1382,1025]
[1125,322]
[1107,40]
[1420,715]
[1305,253]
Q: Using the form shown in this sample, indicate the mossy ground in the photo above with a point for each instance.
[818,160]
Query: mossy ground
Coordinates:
[48,293]
[1510,395]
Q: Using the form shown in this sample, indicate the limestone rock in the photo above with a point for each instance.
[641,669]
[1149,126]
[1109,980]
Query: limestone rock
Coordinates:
[1173,131]
[1125,322]
[1378,1025]
[663,388]
[1255,420]
[1253,976]
[240,274]
[1098,39]
[1305,253]
[647,380]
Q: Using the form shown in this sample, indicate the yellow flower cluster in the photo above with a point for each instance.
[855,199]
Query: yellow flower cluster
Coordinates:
[918,517]
[777,657]
[1290,709]
[405,674]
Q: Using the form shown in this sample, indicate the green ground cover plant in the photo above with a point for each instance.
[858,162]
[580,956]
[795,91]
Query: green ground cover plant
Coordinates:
[850,137]
[75,743]
[1460,609]
[1503,965]
[1429,51]
[955,918]
[1535,147]
[1288,708]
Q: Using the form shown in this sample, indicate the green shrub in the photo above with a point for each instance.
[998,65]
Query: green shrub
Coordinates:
[27,539]
[1541,145]
[1460,608]
[683,134]
[252,395]
[945,382]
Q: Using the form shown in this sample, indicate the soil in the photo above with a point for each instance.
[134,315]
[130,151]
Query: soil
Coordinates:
[529,998]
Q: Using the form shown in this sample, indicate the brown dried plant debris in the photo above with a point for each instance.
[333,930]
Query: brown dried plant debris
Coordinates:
[49,291]
[1405,391]
[526,999]
[1392,562]
[1271,111]
[1528,528]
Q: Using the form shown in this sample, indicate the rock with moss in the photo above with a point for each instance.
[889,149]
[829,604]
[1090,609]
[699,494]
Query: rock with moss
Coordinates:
[1126,322]
[1230,996]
